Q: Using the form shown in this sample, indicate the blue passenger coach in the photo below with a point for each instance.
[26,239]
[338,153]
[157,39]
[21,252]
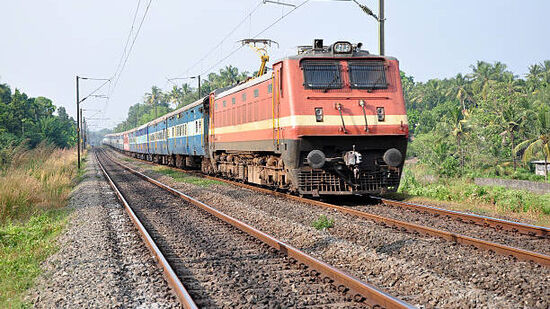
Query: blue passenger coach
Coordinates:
[178,138]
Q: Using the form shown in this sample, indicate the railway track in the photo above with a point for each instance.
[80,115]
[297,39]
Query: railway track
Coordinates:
[496,223]
[492,223]
[227,262]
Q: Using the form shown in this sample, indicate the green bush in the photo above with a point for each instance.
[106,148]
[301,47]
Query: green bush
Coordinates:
[459,190]
[323,223]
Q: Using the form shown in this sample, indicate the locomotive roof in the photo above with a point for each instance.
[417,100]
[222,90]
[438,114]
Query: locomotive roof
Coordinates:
[327,53]
[251,82]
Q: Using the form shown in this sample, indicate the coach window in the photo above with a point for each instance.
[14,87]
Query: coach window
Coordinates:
[224,103]
[256,93]
[233,101]
[244,96]
[216,105]
[269,88]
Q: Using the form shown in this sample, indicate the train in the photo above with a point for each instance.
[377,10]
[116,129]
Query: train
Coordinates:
[329,120]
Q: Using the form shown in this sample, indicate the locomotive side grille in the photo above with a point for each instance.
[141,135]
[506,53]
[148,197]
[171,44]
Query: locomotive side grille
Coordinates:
[367,75]
[310,181]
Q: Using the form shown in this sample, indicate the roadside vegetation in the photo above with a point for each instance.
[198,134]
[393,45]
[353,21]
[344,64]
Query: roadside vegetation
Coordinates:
[487,123]
[492,198]
[34,189]
[37,173]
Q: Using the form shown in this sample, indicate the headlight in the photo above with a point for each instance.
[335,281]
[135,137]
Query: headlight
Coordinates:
[319,114]
[342,48]
[380,113]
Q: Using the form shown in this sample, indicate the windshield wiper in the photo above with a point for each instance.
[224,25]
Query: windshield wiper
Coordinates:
[336,77]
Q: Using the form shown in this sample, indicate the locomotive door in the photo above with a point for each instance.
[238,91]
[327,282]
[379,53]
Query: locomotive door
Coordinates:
[276,89]
[211,123]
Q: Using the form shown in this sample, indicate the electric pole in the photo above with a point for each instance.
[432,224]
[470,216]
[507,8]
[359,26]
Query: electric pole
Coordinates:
[381,27]
[81,131]
[380,19]
[79,110]
[199,77]
[78,122]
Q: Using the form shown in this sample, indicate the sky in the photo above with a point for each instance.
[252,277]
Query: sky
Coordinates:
[46,43]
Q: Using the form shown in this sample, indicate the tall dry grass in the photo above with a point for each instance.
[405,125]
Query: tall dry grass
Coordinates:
[36,180]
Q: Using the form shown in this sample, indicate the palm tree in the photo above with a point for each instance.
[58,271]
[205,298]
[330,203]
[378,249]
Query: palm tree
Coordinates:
[460,88]
[461,125]
[546,71]
[153,97]
[186,90]
[535,76]
[175,96]
[540,144]
[498,71]
[484,74]
[229,75]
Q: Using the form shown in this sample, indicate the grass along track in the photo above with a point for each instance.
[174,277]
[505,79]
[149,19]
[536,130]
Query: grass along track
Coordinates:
[519,253]
[374,296]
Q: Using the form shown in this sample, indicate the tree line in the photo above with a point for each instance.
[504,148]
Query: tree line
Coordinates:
[488,121]
[24,119]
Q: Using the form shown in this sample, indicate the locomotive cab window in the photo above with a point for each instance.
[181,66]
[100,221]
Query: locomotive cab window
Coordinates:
[367,75]
[322,75]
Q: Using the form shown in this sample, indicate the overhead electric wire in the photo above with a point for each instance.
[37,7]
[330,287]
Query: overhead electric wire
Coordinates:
[256,36]
[128,38]
[249,15]
[132,46]
[90,78]
[97,89]
[118,73]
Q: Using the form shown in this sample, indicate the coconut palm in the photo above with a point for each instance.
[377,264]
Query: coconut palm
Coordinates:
[485,74]
[229,75]
[175,96]
[538,146]
[153,97]
[461,126]
[460,89]
[535,76]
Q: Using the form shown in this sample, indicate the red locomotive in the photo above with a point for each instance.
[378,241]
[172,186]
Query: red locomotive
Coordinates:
[330,120]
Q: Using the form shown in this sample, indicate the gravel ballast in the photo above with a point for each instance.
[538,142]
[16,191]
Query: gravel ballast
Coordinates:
[220,265]
[508,238]
[102,261]
[421,270]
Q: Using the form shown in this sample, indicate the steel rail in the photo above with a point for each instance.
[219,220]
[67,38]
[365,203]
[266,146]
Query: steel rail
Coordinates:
[173,280]
[521,254]
[528,229]
[373,296]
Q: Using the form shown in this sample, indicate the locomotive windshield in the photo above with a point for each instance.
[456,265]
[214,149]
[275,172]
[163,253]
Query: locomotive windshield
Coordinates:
[367,75]
[322,75]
